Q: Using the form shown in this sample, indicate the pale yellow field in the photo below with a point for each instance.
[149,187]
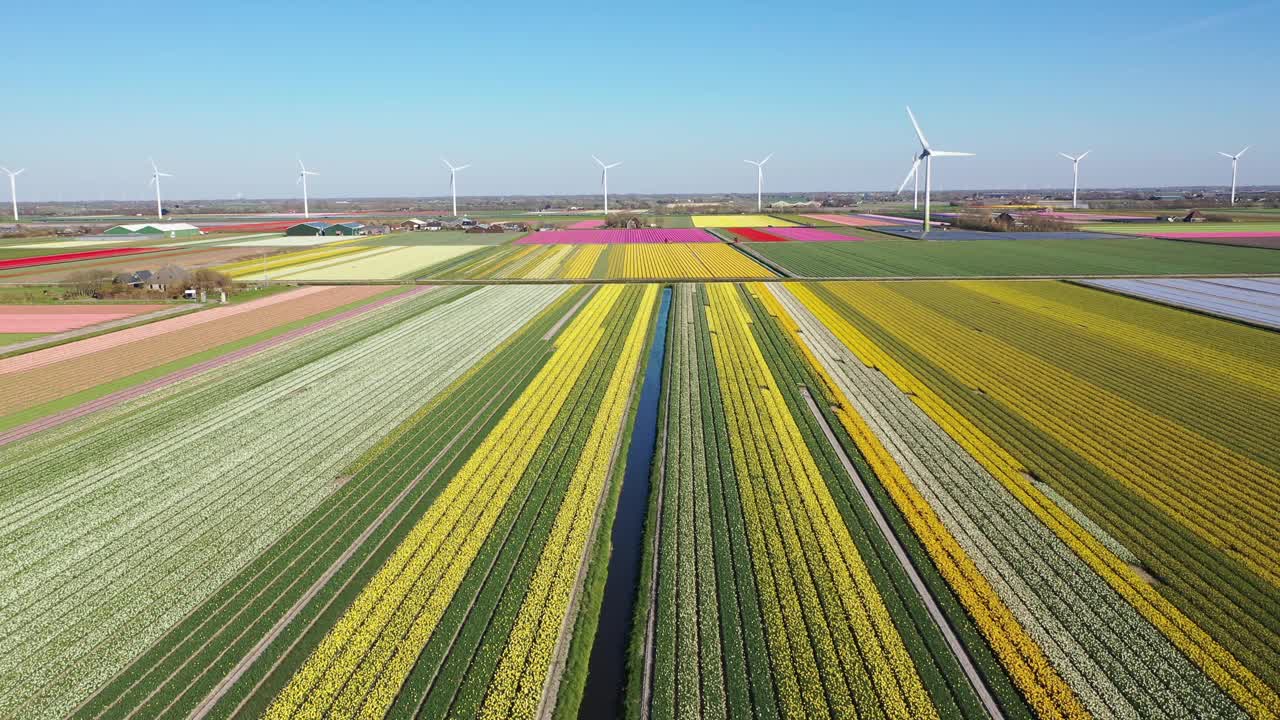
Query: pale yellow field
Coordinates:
[380,263]
[732,221]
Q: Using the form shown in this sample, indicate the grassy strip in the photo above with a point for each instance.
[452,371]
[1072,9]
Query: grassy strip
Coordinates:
[93,393]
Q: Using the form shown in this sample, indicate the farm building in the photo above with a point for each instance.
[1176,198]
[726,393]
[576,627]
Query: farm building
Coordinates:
[346,228]
[312,228]
[416,224]
[170,229]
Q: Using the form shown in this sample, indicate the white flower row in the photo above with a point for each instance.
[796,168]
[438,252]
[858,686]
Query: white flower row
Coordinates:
[121,544]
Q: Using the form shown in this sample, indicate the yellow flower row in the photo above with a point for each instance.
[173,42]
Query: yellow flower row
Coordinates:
[372,648]
[516,688]
[1025,661]
[1111,319]
[683,260]
[282,260]
[583,262]
[1209,488]
[814,584]
[1243,687]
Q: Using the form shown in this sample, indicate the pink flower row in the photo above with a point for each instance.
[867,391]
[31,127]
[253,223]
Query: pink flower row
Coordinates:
[618,237]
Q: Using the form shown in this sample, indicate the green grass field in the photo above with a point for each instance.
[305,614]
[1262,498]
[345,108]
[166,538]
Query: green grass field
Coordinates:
[1137,256]
[11,338]
[1181,228]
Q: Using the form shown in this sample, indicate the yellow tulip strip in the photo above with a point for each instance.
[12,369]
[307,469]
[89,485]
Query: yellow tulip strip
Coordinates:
[1113,615]
[522,670]
[822,613]
[374,645]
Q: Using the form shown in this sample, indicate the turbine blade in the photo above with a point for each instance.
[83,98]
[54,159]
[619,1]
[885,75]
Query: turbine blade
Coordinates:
[448,164]
[1067,156]
[914,166]
[614,165]
[301,167]
[598,161]
[919,133]
[1086,152]
[949,153]
[464,167]
[1226,155]
[766,158]
[153,164]
[19,172]
[1246,148]
[753,162]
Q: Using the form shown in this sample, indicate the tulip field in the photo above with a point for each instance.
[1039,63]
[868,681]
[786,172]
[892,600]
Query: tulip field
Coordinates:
[627,260]
[866,498]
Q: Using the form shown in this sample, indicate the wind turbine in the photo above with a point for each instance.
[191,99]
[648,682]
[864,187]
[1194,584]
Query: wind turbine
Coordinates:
[155,180]
[604,180]
[759,180]
[303,172]
[927,154]
[1235,166]
[1075,169]
[453,182]
[13,187]
[914,172]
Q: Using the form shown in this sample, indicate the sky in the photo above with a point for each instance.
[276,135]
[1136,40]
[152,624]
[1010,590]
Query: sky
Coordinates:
[226,96]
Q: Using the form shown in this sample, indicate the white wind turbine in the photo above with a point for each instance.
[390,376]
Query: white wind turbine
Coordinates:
[1235,166]
[1075,169]
[155,180]
[453,182]
[604,180]
[303,172]
[759,180]
[13,187]
[927,154]
[914,172]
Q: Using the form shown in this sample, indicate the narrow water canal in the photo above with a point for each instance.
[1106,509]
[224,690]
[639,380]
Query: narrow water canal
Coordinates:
[606,672]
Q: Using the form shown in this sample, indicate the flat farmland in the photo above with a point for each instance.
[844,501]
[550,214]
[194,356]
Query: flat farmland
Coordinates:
[651,480]
[614,261]
[728,221]
[55,378]
[1139,256]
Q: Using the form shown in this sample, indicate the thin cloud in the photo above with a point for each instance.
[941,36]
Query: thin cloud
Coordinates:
[1209,21]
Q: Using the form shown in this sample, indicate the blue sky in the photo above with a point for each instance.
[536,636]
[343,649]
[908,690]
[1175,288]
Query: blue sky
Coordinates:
[225,95]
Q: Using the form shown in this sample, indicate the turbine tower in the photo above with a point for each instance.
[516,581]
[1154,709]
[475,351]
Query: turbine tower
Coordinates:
[1075,169]
[759,181]
[604,180]
[927,154]
[155,180]
[453,182]
[1235,166]
[13,188]
[914,172]
[303,172]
